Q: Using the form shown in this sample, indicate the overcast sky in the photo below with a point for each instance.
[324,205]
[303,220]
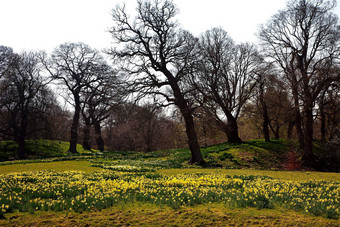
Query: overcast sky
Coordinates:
[44,24]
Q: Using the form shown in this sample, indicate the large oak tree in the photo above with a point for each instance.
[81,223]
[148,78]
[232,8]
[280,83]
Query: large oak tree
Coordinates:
[157,55]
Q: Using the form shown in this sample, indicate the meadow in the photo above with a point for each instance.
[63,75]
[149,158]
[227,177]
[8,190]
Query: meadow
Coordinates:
[129,188]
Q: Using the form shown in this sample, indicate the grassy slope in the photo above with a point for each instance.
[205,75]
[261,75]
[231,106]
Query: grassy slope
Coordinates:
[255,154]
[37,149]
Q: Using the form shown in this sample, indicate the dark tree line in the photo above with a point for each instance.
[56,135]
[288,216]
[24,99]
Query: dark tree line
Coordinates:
[25,100]
[303,40]
[87,78]
[286,87]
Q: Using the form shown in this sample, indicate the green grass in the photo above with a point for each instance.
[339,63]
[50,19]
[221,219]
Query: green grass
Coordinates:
[39,149]
[137,214]
[59,166]
[282,175]
[253,154]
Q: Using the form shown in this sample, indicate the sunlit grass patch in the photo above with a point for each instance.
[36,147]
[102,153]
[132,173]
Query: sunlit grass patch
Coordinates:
[61,166]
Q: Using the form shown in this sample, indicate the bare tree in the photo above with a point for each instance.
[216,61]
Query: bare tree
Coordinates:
[22,98]
[148,118]
[98,99]
[77,66]
[303,40]
[329,109]
[225,78]
[157,55]
[260,98]
[6,55]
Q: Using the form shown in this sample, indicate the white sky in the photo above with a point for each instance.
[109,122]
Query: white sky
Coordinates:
[44,24]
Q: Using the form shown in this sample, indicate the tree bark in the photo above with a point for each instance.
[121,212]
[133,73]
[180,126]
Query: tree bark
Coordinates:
[290,129]
[186,111]
[87,133]
[74,126]
[22,135]
[276,130]
[298,119]
[308,155]
[323,120]
[21,151]
[231,130]
[265,123]
[196,157]
[99,138]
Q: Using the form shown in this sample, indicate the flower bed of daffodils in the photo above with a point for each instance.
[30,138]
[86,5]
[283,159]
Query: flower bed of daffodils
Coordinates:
[80,191]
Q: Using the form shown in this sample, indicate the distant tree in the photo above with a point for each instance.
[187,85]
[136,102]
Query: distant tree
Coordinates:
[157,55]
[262,84]
[260,102]
[303,40]
[42,125]
[225,78]
[76,66]
[6,55]
[98,99]
[23,97]
[208,132]
[270,109]
[329,111]
[140,127]
[148,119]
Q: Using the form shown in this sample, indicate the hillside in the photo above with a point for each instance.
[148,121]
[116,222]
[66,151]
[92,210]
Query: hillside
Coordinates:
[38,149]
[255,154]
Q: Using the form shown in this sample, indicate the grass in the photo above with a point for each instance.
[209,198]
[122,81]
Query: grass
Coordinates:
[59,166]
[87,166]
[141,214]
[38,149]
[282,175]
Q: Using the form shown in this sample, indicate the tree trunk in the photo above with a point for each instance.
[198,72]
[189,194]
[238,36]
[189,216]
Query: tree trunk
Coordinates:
[276,130]
[265,123]
[196,157]
[99,138]
[231,130]
[87,133]
[181,103]
[21,151]
[308,155]
[323,121]
[298,120]
[148,142]
[265,128]
[22,135]
[74,126]
[290,129]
